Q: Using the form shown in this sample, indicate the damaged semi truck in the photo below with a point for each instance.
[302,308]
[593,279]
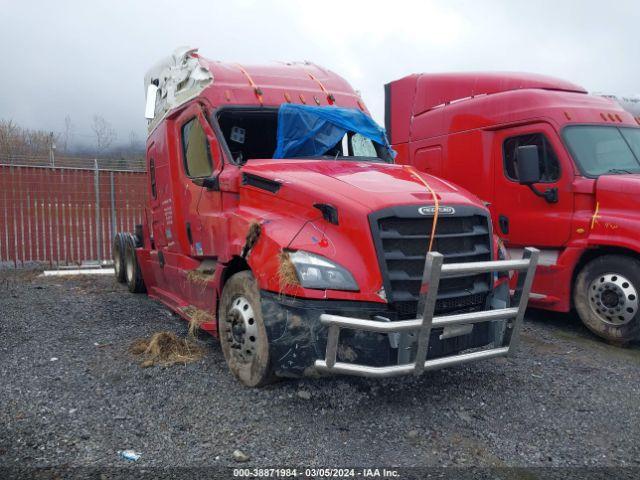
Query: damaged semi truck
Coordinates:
[278,218]
[558,168]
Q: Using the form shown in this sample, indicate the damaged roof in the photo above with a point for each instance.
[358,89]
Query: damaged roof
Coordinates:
[185,74]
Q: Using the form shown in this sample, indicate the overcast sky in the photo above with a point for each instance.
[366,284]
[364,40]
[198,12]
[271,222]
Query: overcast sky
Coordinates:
[81,58]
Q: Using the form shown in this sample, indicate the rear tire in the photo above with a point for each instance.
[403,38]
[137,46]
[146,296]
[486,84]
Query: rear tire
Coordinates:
[118,253]
[243,336]
[133,273]
[606,297]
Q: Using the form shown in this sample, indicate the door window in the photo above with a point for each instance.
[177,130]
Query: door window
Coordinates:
[195,150]
[549,165]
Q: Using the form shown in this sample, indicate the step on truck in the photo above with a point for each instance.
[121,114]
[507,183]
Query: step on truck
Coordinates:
[278,221]
[558,168]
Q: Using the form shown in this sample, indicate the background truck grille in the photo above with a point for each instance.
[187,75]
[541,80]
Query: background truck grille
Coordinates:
[402,235]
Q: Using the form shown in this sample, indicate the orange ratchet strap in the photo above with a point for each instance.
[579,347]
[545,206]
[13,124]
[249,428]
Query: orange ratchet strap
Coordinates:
[256,88]
[436,202]
[330,98]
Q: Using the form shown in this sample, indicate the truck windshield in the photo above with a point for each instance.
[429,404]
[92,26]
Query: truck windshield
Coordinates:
[252,133]
[602,150]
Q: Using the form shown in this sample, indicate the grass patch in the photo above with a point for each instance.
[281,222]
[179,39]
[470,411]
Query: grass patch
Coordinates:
[196,318]
[202,277]
[287,275]
[165,348]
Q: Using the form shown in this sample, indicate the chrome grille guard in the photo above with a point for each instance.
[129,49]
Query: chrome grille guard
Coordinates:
[434,270]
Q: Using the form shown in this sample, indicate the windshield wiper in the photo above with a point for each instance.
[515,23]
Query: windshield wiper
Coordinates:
[618,170]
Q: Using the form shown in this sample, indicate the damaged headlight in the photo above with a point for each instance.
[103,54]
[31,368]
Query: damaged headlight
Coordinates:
[315,271]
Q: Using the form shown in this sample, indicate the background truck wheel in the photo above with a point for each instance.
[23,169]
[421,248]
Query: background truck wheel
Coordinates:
[606,297]
[133,273]
[242,332]
[118,248]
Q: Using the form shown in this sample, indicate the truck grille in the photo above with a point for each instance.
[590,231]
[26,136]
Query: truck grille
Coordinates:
[401,236]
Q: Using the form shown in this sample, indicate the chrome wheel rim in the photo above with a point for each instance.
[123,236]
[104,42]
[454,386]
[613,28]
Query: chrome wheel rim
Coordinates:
[613,298]
[241,329]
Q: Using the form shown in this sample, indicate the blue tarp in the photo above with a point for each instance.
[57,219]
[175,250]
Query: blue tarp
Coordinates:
[305,131]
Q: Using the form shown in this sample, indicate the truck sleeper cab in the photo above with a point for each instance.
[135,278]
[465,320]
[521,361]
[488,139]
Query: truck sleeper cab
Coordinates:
[558,168]
[286,230]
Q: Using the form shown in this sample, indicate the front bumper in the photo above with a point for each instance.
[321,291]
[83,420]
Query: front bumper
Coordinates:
[356,338]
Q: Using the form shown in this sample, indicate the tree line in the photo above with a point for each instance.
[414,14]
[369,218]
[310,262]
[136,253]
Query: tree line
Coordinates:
[19,142]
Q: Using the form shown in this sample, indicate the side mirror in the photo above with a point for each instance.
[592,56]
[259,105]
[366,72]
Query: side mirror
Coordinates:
[528,164]
[150,106]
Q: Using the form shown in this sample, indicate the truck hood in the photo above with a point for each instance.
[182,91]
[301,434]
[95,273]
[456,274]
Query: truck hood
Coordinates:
[619,192]
[373,185]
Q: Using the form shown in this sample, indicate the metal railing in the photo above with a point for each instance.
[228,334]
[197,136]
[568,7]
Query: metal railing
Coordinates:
[67,162]
[434,271]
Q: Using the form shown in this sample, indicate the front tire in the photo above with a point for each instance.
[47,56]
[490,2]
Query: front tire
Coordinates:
[606,297]
[243,336]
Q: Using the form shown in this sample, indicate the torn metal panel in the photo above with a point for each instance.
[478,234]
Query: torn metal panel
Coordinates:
[179,78]
[253,235]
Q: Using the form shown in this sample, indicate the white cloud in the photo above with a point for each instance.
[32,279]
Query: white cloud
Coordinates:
[80,58]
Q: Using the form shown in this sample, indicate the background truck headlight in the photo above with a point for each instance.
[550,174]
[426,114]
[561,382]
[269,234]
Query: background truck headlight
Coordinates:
[315,271]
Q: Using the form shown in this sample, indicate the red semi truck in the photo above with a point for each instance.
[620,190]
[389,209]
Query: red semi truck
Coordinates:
[276,214]
[558,168]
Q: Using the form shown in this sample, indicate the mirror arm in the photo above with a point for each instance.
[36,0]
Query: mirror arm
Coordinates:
[210,183]
[550,194]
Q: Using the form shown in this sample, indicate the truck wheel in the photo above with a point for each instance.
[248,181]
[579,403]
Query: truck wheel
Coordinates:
[243,336]
[606,297]
[133,273]
[117,251]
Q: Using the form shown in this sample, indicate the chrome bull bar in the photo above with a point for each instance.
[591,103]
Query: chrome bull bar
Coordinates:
[434,270]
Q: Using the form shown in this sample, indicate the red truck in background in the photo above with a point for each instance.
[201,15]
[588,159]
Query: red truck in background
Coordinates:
[559,170]
[277,214]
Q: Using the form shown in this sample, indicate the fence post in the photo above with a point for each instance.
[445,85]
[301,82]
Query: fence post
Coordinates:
[96,183]
[113,203]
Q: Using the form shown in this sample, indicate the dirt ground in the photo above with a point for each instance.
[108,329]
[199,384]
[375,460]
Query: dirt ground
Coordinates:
[72,394]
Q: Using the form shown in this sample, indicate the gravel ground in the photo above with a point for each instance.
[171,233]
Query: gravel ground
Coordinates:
[565,399]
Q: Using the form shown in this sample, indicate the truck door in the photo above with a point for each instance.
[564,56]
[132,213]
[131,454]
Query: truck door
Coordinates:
[521,217]
[201,159]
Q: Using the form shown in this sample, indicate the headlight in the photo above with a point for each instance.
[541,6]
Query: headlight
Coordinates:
[315,271]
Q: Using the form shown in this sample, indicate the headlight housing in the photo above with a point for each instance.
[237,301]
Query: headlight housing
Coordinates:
[315,271]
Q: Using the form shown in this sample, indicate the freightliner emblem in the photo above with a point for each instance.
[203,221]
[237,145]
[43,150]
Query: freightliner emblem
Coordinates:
[432,210]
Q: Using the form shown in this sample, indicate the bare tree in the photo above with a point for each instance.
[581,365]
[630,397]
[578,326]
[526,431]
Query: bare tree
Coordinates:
[67,134]
[16,141]
[9,138]
[134,142]
[104,133]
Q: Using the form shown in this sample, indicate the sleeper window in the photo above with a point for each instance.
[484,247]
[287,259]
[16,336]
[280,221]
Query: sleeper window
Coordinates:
[195,150]
[152,176]
[549,165]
